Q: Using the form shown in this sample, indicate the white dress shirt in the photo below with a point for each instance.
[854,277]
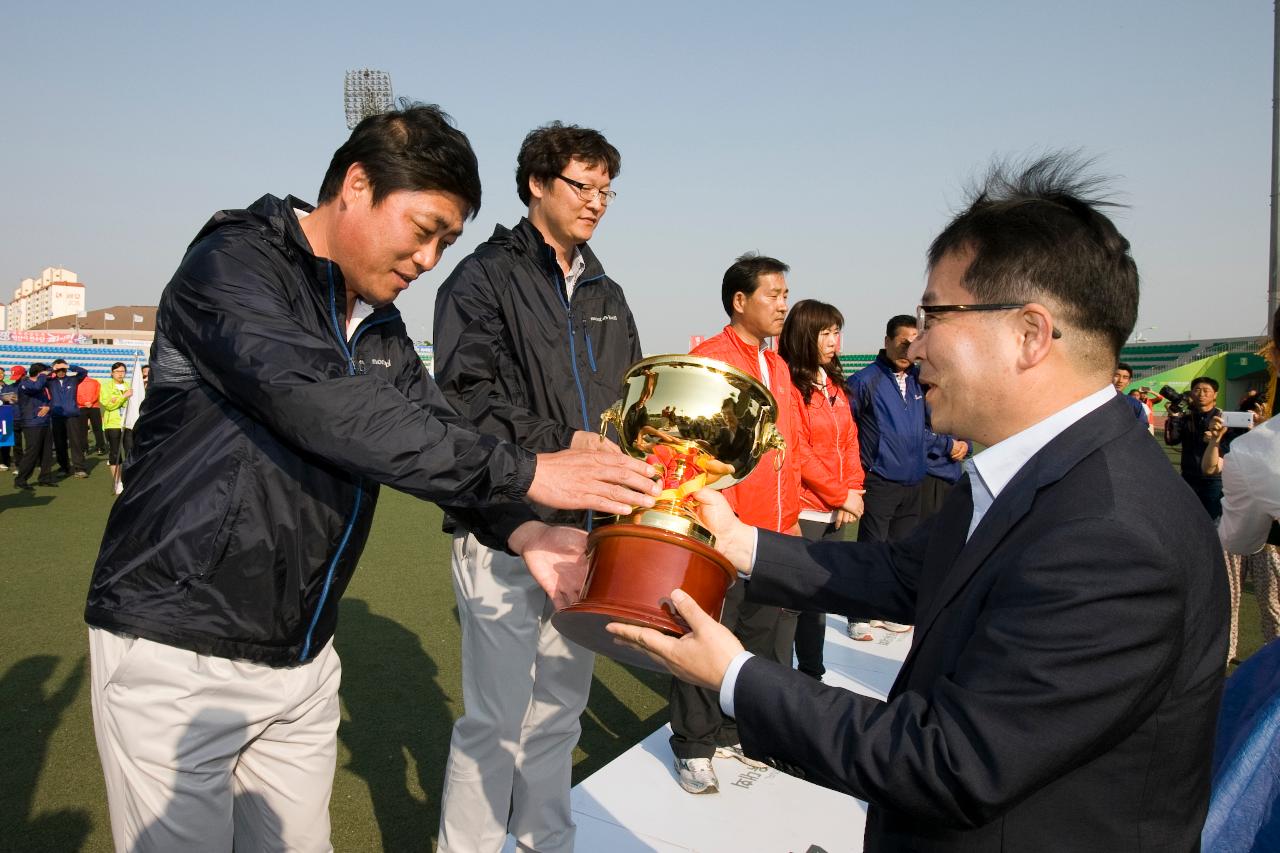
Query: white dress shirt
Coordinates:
[989,472]
[1250,489]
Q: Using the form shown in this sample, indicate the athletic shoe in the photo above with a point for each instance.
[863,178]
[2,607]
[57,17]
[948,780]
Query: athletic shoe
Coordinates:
[696,775]
[3,467]
[890,626]
[736,752]
[26,487]
[859,631]
[81,475]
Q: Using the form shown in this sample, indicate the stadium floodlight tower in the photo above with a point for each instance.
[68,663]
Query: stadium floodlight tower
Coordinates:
[366,93]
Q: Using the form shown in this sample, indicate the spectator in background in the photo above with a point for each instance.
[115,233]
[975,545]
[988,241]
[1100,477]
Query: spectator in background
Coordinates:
[68,431]
[34,414]
[826,445]
[90,415]
[1189,429]
[1249,529]
[146,374]
[115,397]
[1121,377]
[1137,394]
[888,407]
[11,456]
[753,292]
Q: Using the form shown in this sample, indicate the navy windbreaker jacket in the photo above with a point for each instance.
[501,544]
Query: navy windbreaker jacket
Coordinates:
[261,445]
[63,392]
[33,395]
[519,359]
[892,433]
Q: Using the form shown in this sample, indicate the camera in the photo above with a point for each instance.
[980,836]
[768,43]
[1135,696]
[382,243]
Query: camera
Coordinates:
[1173,399]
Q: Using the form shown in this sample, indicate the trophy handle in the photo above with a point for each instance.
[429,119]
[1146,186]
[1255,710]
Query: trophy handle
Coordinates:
[773,440]
[611,415]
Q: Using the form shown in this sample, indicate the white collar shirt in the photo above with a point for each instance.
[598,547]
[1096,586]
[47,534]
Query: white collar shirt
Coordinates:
[992,469]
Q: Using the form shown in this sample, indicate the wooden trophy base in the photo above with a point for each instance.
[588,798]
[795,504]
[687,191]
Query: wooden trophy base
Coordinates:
[633,569]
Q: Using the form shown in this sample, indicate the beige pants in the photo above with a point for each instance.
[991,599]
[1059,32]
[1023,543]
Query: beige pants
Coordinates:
[201,753]
[523,687]
[1264,568]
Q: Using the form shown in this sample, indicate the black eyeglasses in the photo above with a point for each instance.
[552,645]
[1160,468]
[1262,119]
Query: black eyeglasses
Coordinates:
[588,193]
[924,312]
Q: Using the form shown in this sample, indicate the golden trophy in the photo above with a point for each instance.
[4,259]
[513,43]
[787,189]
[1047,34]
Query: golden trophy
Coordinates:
[699,422]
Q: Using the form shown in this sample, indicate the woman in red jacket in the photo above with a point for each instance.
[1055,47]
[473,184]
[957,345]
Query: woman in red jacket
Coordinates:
[827,447]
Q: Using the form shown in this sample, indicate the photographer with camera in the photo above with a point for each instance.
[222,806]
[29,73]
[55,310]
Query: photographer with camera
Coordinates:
[1190,417]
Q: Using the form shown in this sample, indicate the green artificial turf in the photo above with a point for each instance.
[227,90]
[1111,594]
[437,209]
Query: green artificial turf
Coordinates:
[398,639]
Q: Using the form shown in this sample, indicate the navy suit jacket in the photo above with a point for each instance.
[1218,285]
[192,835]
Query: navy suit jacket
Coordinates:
[1063,683]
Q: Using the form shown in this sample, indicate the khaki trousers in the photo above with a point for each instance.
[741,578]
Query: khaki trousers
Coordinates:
[204,753]
[524,686]
[1264,567]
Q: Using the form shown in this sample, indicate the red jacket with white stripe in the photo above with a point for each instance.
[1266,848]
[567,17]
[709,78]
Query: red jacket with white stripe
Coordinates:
[826,447]
[770,496]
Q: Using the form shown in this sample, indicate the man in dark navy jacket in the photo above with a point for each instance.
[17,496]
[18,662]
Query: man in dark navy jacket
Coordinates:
[534,339]
[68,429]
[1063,683]
[35,406]
[895,442]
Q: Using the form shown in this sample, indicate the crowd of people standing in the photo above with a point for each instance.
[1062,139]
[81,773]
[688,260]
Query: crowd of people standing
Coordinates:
[57,409]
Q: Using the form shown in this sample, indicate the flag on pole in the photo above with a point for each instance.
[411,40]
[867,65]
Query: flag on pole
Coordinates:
[137,318]
[131,410]
[139,392]
[83,315]
[107,316]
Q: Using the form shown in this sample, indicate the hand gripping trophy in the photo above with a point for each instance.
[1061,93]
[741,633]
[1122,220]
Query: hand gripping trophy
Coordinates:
[700,423]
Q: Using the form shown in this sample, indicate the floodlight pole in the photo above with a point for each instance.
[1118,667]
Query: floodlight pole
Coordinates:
[366,92]
[1273,297]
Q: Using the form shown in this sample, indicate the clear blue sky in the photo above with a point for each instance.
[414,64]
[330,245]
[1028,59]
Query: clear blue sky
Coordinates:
[835,136]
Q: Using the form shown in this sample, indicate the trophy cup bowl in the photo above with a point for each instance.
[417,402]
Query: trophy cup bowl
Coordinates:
[700,422]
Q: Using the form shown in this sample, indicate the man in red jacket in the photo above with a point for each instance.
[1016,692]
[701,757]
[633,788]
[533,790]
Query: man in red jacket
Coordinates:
[754,293]
[90,415]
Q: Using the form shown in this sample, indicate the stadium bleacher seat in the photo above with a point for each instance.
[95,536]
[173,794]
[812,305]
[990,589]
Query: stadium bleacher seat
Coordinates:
[97,359]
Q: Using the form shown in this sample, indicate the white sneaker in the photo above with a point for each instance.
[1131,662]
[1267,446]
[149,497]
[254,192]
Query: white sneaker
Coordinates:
[696,775]
[890,626]
[860,631]
[736,752]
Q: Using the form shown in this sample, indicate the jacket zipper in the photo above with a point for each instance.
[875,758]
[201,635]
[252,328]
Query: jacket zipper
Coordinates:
[347,350]
[573,351]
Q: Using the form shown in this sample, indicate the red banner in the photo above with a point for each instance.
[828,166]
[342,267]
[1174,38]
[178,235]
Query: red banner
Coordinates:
[43,338]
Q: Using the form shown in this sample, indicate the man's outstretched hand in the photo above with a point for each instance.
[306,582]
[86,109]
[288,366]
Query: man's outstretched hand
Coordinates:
[700,657]
[604,480]
[555,556]
[735,540]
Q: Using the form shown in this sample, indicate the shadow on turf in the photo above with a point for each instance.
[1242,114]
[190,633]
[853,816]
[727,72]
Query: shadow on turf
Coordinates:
[610,727]
[29,713]
[396,711]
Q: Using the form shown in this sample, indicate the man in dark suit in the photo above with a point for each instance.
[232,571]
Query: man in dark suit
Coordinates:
[1063,683]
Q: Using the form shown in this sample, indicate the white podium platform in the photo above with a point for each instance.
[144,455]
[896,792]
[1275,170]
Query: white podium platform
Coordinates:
[633,803]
